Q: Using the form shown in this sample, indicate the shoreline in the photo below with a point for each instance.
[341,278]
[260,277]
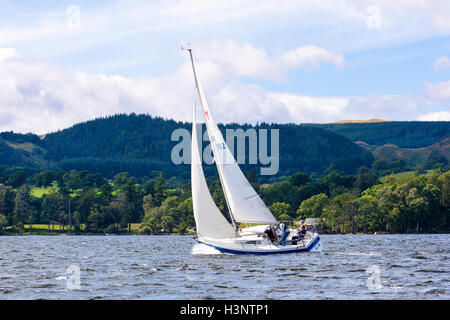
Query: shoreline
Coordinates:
[88,234]
[186,234]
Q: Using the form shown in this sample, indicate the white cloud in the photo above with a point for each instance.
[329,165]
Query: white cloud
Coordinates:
[6,53]
[307,109]
[438,91]
[340,25]
[280,36]
[430,15]
[387,107]
[310,57]
[37,97]
[40,97]
[247,104]
[239,58]
[442,63]
[435,116]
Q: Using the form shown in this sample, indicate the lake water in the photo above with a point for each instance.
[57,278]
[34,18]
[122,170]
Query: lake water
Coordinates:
[175,267]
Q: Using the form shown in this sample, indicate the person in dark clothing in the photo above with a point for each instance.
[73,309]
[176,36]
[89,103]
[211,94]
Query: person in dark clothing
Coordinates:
[271,234]
[302,231]
[301,234]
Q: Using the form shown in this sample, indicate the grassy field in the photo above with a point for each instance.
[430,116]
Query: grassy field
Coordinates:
[55,227]
[135,227]
[403,174]
[39,192]
[42,229]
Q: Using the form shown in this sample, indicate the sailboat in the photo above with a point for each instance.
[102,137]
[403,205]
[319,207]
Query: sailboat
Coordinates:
[244,204]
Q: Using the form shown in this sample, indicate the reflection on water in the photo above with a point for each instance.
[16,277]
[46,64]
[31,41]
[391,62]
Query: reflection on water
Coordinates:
[175,267]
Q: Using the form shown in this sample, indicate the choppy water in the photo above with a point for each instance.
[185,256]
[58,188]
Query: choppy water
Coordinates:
[175,267]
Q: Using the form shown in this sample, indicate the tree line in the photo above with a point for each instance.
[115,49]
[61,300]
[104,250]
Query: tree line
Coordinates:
[86,202]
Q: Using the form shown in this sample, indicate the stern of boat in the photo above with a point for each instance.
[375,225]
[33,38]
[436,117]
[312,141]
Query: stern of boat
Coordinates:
[317,246]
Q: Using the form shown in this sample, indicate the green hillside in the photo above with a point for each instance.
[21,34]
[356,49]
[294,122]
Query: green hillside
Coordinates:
[141,145]
[437,152]
[405,134]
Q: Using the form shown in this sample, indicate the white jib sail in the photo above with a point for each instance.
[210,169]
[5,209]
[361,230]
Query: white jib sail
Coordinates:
[209,220]
[243,201]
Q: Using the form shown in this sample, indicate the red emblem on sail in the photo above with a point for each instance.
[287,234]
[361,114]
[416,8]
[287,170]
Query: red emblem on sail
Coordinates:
[207,115]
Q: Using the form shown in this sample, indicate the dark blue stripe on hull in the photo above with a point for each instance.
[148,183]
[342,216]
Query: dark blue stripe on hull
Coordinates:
[262,252]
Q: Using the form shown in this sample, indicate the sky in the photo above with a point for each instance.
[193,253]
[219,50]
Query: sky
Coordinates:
[64,62]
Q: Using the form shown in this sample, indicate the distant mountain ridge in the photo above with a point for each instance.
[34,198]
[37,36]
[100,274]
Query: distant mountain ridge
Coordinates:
[141,145]
[361,121]
[412,156]
[405,134]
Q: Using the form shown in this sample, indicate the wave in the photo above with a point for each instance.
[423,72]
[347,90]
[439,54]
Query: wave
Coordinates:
[204,249]
[370,254]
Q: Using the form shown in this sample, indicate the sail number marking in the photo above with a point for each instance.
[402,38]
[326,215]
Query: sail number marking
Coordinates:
[221,146]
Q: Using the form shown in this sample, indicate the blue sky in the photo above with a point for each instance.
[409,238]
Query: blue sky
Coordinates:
[62,62]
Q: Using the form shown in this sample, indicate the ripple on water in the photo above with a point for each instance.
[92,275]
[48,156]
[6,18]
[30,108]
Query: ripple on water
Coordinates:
[363,254]
[176,267]
[432,271]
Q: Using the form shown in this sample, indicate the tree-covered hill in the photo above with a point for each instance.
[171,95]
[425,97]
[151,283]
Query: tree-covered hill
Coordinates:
[405,134]
[140,144]
[439,151]
[20,150]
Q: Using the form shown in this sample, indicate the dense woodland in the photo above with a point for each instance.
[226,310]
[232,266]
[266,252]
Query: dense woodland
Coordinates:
[115,175]
[405,134]
[141,145]
[89,203]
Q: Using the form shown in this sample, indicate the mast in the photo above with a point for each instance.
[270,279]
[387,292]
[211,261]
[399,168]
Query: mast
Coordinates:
[202,98]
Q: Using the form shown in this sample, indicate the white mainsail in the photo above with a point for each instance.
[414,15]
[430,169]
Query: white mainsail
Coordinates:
[209,220]
[243,202]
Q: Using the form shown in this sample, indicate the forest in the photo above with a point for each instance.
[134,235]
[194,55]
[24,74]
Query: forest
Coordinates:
[405,134]
[81,202]
[141,145]
[115,175]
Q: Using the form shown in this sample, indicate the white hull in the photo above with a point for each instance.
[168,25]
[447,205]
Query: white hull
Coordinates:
[262,246]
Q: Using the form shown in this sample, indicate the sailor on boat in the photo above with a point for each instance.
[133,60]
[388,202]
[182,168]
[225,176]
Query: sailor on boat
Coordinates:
[271,233]
[282,232]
